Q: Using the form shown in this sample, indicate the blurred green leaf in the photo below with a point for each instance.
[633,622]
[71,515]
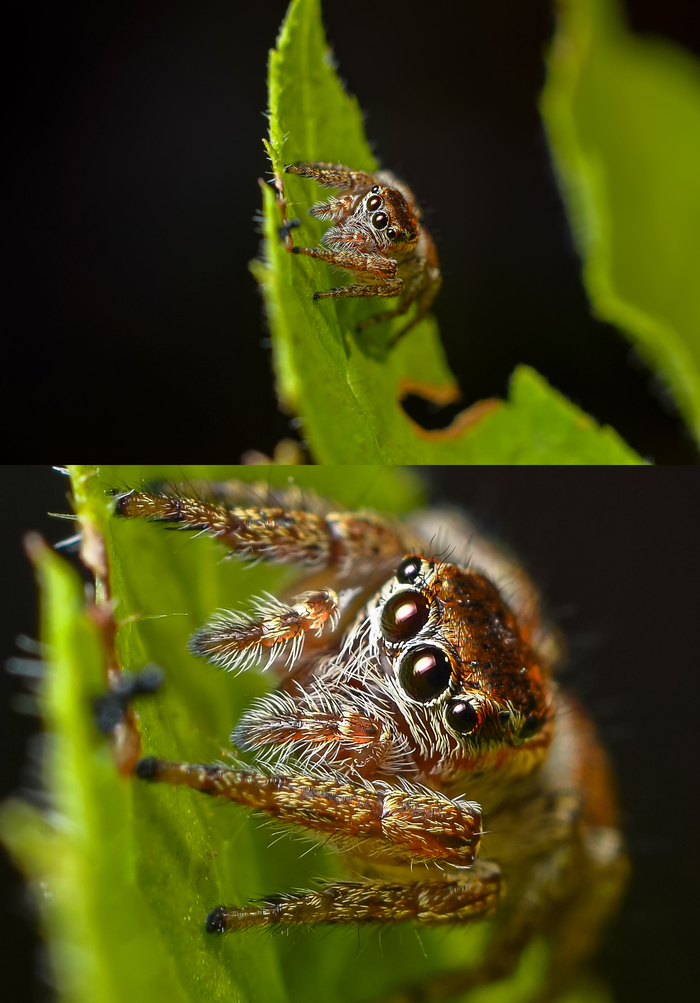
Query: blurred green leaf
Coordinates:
[125,872]
[347,386]
[623,118]
[80,856]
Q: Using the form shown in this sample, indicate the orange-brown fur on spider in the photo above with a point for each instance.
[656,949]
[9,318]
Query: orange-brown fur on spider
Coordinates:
[377,236]
[414,688]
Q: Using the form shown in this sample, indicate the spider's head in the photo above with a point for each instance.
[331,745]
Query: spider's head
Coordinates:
[386,216]
[435,676]
[460,668]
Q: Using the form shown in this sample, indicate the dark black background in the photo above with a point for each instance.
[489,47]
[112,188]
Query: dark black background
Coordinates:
[136,128]
[616,552]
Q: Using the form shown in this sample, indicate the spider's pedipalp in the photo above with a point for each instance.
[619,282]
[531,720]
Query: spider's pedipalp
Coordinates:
[333,208]
[329,721]
[235,641]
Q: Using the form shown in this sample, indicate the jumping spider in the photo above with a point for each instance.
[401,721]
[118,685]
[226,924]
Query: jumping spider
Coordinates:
[377,236]
[415,685]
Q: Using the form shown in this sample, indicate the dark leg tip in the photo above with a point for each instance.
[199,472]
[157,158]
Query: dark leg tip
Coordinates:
[286,228]
[216,921]
[110,709]
[295,250]
[121,499]
[317,296]
[150,679]
[147,768]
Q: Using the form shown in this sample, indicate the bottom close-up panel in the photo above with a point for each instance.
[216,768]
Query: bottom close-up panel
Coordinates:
[431,728]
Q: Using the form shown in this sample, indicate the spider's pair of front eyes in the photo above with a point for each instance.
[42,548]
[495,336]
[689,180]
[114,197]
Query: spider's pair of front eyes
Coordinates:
[426,670]
[380,219]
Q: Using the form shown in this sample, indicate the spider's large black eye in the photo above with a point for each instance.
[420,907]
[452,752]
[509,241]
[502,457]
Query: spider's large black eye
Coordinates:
[408,570]
[461,715]
[373,202]
[391,233]
[425,672]
[379,220]
[404,615]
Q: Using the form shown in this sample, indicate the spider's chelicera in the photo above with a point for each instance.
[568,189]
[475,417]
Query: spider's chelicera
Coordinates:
[377,236]
[413,688]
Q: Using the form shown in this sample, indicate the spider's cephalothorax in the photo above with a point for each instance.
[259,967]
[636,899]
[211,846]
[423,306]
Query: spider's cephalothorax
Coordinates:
[413,689]
[445,677]
[377,236]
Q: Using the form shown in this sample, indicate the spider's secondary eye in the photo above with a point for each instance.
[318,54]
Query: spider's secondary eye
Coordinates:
[379,220]
[404,615]
[375,189]
[373,202]
[425,672]
[530,727]
[391,233]
[461,716]
[408,570]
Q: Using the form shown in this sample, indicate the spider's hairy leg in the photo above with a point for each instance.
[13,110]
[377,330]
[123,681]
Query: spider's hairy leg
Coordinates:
[429,902]
[234,641]
[353,261]
[333,175]
[422,282]
[376,265]
[383,290]
[275,532]
[424,303]
[407,822]
[401,309]
[573,894]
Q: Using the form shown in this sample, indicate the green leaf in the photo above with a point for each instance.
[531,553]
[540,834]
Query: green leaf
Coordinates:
[347,386]
[623,118]
[125,872]
[80,856]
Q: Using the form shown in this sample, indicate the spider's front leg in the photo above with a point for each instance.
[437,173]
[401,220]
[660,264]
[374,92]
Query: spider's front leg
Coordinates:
[271,525]
[401,824]
[385,282]
[333,175]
